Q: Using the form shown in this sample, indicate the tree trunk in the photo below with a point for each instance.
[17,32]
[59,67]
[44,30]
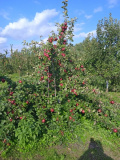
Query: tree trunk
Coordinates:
[107,84]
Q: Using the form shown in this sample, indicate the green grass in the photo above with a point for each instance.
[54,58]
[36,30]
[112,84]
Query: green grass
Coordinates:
[14,77]
[115,96]
[77,147]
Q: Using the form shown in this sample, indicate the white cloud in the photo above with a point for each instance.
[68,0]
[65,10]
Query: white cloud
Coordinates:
[4,14]
[84,35]
[88,16]
[112,3]
[45,39]
[3,40]
[78,27]
[0,28]
[99,9]
[23,28]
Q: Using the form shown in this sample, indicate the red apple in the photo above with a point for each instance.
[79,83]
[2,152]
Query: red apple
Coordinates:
[43,121]
[60,37]
[63,54]
[83,83]
[71,110]
[112,102]
[65,23]
[99,110]
[77,104]
[81,66]
[55,46]
[42,77]
[21,117]
[3,80]
[27,102]
[47,55]
[65,71]
[13,101]
[73,90]
[61,33]
[52,110]
[20,81]
[65,27]
[55,39]
[50,39]
[10,119]
[11,93]
[62,49]
[115,130]
[70,117]
[83,111]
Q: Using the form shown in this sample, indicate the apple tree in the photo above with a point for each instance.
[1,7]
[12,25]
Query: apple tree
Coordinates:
[101,55]
[108,56]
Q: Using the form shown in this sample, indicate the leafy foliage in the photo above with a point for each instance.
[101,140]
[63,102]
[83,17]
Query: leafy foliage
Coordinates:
[54,98]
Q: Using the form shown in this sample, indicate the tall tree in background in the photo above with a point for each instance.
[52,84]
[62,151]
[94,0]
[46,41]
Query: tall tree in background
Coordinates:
[108,38]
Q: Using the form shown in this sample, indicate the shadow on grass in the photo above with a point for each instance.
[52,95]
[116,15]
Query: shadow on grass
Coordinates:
[95,152]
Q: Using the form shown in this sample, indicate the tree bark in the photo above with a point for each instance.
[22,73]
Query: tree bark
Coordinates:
[107,85]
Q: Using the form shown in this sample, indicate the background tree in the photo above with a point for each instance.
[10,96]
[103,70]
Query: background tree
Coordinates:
[101,55]
[108,38]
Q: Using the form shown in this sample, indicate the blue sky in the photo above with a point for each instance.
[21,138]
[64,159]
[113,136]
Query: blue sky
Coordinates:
[29,19]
